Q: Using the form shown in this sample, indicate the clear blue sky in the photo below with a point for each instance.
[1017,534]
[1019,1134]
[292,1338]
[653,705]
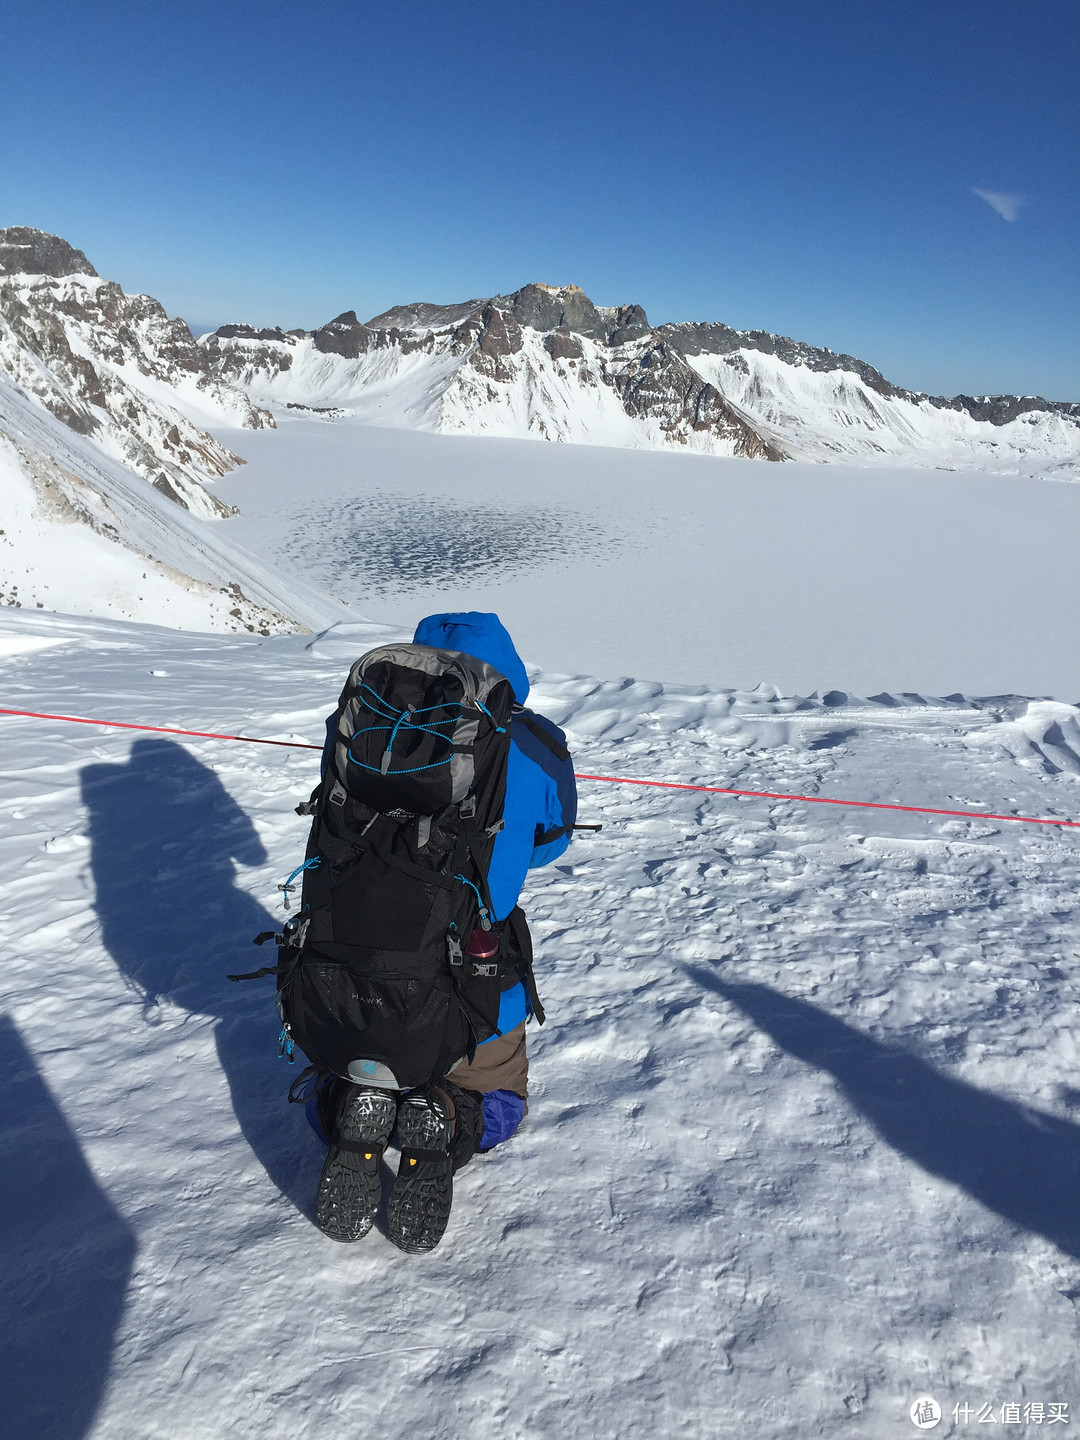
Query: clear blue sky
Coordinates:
[802,166]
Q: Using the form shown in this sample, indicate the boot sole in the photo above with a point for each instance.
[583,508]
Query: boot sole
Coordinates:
[350,1187]
[418,1210]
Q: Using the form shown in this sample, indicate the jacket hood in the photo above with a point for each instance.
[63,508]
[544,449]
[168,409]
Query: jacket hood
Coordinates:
[475,633]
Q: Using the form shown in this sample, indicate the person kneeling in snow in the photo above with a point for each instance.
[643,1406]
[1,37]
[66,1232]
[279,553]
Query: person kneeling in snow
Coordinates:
[406,977]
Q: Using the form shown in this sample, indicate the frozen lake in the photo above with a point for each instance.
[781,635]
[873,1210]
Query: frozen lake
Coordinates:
[682,568]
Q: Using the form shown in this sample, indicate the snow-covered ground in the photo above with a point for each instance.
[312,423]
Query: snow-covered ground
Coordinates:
[686,568]
[805,1130]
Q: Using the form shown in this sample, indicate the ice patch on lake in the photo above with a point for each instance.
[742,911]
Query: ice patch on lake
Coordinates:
[386,543]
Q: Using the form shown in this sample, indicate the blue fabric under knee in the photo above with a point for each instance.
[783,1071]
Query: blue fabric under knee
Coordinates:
[311,1110]
[503,1113]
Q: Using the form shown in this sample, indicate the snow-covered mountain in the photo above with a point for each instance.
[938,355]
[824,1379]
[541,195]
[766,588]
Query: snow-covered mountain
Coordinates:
[547,363]
[115,368]
[543,362]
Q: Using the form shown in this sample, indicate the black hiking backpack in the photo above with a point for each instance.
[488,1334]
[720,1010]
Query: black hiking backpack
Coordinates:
[375,983]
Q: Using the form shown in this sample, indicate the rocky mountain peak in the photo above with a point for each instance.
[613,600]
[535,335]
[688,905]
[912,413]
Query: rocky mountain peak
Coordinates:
[24,251]
[343,335]
[569,309]
[546,361]
[544,308]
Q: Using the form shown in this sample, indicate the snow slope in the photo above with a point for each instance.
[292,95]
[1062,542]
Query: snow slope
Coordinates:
[836,416]
[805,1131]
[84,534]
[115,367]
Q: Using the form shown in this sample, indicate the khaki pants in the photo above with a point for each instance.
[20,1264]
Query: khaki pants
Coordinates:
[500,1064]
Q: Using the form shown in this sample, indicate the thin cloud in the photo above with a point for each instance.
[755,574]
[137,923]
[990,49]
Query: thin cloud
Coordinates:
[1007,206]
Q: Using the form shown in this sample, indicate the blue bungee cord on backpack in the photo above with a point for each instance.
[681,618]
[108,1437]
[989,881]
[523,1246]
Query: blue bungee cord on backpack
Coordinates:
[403,720]
[288,886]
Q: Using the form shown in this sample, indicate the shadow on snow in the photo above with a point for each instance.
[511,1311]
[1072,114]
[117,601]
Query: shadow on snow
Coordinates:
[1020,1162]
[67,1259]
[165,839]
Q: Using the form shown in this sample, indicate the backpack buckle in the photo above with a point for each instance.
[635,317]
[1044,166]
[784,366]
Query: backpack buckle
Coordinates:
[467,808]
[294,932]
[453,946]
[484,972]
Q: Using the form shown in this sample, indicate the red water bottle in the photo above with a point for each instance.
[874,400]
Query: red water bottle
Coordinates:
[483,945]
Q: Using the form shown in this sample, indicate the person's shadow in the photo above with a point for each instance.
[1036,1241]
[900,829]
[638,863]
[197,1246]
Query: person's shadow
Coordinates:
[67,1257]
[164,837]
[1018,1161]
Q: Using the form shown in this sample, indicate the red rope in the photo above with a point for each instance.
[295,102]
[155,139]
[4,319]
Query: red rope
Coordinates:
[824,800]
[161,729]
[610,779]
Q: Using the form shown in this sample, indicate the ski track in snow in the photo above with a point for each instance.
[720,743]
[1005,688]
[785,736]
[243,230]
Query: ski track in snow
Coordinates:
[804,1139]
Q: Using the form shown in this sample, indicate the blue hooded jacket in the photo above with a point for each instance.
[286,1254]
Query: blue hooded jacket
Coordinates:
[541,795]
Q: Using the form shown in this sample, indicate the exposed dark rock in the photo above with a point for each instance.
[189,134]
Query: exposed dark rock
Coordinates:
[165,485]
[344,336]
[34,252]
[563,345]
[1001,409]
[542,307]
[422,316]
[630,323]
[248,332]
[238,363]
[660,385]
[501,335]
[466,334]
[495,335]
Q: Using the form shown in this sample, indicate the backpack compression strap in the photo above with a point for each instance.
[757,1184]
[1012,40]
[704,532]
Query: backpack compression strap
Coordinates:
[557,748]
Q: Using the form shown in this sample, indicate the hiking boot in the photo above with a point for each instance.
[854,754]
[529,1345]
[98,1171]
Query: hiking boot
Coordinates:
[419,1205]
[350,1187]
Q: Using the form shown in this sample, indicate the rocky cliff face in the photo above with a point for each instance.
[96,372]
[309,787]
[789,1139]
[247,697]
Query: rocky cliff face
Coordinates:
[115,368]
